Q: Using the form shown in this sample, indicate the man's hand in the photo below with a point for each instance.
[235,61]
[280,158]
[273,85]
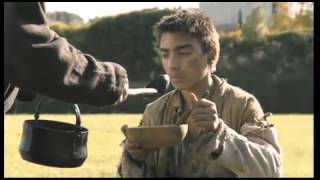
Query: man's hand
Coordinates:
[124,94]
[122,82]
[203,117]
[134,149]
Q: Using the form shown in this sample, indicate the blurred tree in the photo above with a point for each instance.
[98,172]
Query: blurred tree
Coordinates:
[278,71]
[255,28]
[304,19]
[240,18]
[281,20]
[67,18]
[59,26]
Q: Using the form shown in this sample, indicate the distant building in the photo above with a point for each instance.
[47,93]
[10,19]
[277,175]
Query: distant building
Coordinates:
[227,15]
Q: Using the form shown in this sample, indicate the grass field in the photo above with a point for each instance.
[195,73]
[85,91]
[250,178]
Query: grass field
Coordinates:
[295,135]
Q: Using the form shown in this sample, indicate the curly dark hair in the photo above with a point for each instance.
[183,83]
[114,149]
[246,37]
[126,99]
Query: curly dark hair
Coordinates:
[195,23]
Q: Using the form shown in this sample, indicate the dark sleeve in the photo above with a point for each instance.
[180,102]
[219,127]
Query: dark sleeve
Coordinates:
[25,96]
[40,61]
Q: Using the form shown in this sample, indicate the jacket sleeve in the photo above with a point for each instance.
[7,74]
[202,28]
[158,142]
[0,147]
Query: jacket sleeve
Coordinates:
[254,152]
[25,96]
[40,61]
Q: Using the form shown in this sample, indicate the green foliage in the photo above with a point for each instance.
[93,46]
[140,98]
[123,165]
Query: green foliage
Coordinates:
[74,33]
[255,27]
[279,70]
[281,20]
[65,17]
[59,26]
[304,20]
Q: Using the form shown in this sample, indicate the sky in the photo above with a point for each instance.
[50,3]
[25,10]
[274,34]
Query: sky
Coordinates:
[90,10]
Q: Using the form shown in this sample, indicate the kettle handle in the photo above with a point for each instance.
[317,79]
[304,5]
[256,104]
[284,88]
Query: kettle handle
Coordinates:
[75,109]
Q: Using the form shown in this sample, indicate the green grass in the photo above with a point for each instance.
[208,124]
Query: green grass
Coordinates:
[295,136]
[296,140]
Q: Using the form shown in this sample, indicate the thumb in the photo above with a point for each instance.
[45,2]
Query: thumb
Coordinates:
[194,98]
[124,129]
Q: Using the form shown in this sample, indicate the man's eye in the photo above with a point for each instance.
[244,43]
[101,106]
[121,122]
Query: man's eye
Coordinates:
[184,53]
[164,56]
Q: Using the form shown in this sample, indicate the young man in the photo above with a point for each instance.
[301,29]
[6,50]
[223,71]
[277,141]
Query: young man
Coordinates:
[228,134]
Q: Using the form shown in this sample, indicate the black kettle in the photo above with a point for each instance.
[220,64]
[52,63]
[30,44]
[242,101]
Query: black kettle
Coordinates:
[53,143]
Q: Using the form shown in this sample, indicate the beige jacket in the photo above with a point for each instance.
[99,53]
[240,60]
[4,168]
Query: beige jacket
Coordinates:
[250,145]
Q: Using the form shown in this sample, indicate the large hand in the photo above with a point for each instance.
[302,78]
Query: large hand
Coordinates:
[124,94]
[203,117]
[134,149]
[122,83]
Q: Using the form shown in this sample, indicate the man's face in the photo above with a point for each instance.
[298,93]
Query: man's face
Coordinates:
[183,60]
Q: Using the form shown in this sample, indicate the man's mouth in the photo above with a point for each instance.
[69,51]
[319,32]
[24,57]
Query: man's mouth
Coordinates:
[175,78]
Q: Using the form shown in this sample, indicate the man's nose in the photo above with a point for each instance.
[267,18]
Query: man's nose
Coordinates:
[173,62]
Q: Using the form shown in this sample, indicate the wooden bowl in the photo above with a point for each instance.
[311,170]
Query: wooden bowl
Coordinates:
[157,136]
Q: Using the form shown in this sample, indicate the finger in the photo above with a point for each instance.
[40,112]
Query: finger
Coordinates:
[211,125]
[206,94]
[124,129]
[206,103]
[119,100]
[194,98]
[207,125]
[126,91]
[204,124]
[220,127]
[203,110]
[131,144]
[204,117]
[123,95]
[136,153]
